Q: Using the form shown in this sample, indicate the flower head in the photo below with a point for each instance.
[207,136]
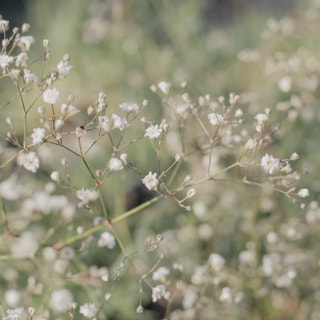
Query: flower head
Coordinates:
[160,274]
[26,42]
[89,310]
[303,193]
[269,163]
[51,96]
[87,195]
[119,122]
[130,107]
[150,181]
[164,86]
[115,164]
[64,68]
[17,314]
[5,60]
[61,300]
[106,240]
[216,118]
[30,161]
[158,292]
[38,135]
[153,132]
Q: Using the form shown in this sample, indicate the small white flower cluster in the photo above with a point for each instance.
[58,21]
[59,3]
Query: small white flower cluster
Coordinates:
[150,181]
[107,240]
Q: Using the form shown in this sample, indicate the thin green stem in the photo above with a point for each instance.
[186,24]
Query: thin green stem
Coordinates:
[10,159]
[4,214]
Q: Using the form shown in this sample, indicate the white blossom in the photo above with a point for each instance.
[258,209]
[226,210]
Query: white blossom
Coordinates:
[72,110]
[303,193]
[104,123]
[115,164]
[21,60]
[61,300]
[64,68]
[17,314]
[25,42]
[250,144]
[150,181]
[269,163]
[119,122]
[25,246]
[226,295]
[87,195]
[153,132]
[80,131]
[9,188]
[158,292]
[4,25]
[12,297]
[107,240]
[261,118]
[29,160]
[51,96]
[285,84]
[216,261]
[164,86]
[89,310]
[38,135]
[161,274]
[5,60]
[216,118]
[130,107]
[29,77]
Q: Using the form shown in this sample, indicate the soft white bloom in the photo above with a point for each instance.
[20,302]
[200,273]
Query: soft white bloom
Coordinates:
[89,310]
[226,295]
[115,164]
[59,123]
[87,195]
[130,107]
[55,176]
[189,299]
[26,42]
[158,292]
[261,118]
[285,84]
[216,261]
[191,193]
[269,163]
[25,246]
[72,110]
[17,314]
[247,256]
[45,203]
[150,181]
[64,68]
[153,132]
[22,59]
[250,144]
[303,193]
[9,188]
[107,240]
[61,300]
[38,135]
[30,161]
[4,25]
[51,96]
[161,274]
[104,123]
[119,122]
[29,77]
[216,118]
[164,86]
[5,60]
[80,131]
[12,297]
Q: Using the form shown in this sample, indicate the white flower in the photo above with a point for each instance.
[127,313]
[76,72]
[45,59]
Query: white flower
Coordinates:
[89,310]
[55,176]
[226,295]
[104,123]
[9,188]
[4,25]
[119,122]
[216,261]
[215,118]
[269,163]
[29,77]
[87,195]
[17,314]
[5,60]
[51,96]
[72,110]
[26,42]
[161,274]
[164,86]
[107,240]
[191,193]
[130,107]
[303,193]
[153,132]
[30,161]
[80,131]
[261,118]
[25,246]
[61,300]
[150,181]
[22,59]
[115,164]
[64,68]
[285,84]
[12,297]
[250,144]
[158,292]
[38,135]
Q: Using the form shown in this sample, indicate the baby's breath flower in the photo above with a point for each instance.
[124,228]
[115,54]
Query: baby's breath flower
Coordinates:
[29,77]
[72,110]
[191,193]
[17,314]
[25,246]
[4,25]
[303,193]
[158,292]
[51,96]
[22,59]
[119,122]
[216,261]
[104,123]
[9,188]
[226,295]
[25,42]
[161,274]
[115,164]
[164,86]
[59,123]
[107,240]
[89,310]
[5,60]
[61,300]
[285,84]
[25,27]
[216,118]
[80,131]
[87,195]
[130,107]
[12,297]
[150,181]
[269,163]
[55,176]
[261,118]
[250,144]
[64,68]
[30,161]
[38,135]
[153,132]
